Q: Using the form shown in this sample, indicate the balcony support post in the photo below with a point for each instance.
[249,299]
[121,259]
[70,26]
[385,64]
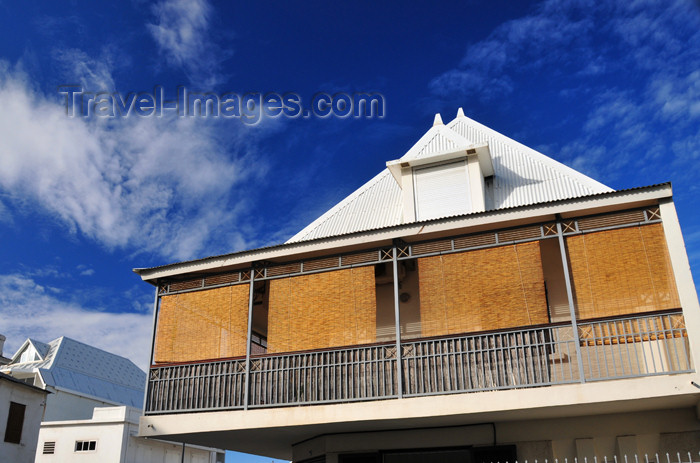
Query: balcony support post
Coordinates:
[397,324]
[156,303]
[246,391]
[570,296]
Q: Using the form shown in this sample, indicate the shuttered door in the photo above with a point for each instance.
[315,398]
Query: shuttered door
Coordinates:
[442,190]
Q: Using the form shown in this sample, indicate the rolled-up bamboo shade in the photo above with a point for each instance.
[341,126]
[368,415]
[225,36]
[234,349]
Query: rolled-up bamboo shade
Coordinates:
[202,325]
[321,310]
[480,290]
[624,271]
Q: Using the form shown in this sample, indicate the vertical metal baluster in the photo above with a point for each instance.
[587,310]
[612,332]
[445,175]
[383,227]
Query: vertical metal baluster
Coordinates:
[570,297]
[397,321]
[246,392]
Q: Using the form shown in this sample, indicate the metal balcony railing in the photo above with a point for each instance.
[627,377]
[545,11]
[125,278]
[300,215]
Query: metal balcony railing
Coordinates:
[503,360]
[620,347]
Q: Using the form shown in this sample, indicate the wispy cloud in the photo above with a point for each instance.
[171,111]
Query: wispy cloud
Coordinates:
[30,310]
[85,270]
[631,69]
[93,74]
[181,31]
[143,184]
[546,36]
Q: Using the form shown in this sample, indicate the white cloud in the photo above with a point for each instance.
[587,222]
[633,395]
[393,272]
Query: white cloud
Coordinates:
[29,310]
[5,216]
[95,75]
[629,68]
[155,184]
[545,36]
[181,32]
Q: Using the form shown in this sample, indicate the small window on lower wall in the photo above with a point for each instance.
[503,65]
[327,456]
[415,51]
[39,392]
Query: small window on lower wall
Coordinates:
[85,445]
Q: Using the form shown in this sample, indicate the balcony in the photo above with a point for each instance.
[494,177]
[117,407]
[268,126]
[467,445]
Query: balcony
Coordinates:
[537,356]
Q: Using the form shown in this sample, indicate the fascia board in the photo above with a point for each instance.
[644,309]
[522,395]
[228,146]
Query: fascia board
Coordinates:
[382,236]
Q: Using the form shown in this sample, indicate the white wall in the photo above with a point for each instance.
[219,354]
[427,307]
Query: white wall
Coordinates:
[33,399]
[114,430]
[61,406]
[602,436]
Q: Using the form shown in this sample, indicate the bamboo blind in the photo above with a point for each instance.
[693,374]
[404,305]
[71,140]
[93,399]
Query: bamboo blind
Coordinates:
[480,290]
[322,310]
[625,271]
[202,325]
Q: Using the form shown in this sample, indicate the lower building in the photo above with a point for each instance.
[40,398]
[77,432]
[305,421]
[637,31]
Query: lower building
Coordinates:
[110,437]
[78,376]
[21,411]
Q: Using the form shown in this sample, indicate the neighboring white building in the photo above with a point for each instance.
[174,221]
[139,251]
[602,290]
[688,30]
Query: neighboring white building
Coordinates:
[93,410]
[80,377]
[110,437]
[21,410]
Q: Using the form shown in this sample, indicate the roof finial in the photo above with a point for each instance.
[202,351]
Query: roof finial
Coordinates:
[460,112]
[438,120]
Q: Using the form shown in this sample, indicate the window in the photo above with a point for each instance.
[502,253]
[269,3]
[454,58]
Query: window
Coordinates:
[29,355]
[49,448]
[15,421]
[85,445]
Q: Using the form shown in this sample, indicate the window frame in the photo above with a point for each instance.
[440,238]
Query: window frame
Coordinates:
[82,446]
[15,423]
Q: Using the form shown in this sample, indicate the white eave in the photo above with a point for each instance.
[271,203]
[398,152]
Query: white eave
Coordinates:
[481,150]
[601,202]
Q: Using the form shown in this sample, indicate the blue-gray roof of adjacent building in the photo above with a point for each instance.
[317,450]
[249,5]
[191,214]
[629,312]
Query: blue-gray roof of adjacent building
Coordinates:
[84,370]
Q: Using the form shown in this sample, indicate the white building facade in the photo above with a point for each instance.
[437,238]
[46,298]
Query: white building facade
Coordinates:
[110,436]
[21,411]
[475,301]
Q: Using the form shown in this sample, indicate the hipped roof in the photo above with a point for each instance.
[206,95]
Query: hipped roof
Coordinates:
[522,176]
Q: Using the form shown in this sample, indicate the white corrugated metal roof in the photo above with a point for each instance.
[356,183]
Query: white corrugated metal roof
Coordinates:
[375,204]
[86,370]
[522,176]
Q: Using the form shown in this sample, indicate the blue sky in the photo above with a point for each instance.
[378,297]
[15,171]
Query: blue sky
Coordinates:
[609,88]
